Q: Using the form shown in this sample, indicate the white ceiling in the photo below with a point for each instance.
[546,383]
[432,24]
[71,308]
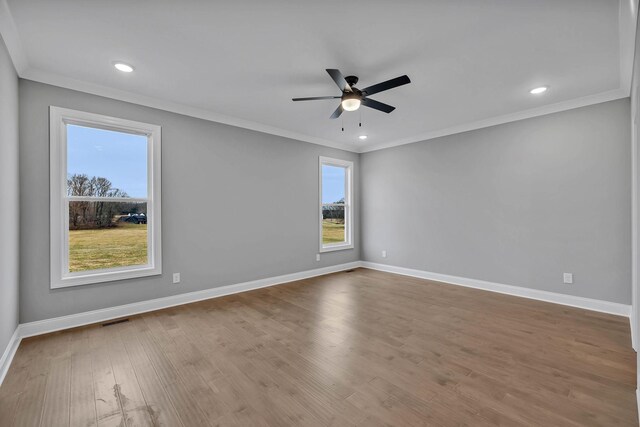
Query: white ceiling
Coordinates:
[471,62]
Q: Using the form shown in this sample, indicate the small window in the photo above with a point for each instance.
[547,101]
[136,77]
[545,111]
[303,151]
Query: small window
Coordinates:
[336,194]
[105,198]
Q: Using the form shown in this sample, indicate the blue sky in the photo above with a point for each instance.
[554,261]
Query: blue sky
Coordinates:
[122,159]
[332,183]
[119,157]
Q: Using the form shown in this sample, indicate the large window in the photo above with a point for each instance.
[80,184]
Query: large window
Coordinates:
[105,198]
[336,193]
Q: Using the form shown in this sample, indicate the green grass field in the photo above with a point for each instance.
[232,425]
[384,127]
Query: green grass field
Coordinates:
[127,245]
[120,246]
[332,231]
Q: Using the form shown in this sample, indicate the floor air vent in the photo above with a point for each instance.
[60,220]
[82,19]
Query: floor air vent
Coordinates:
[115,322]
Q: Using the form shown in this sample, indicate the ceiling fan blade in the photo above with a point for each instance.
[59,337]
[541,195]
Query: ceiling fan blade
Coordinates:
[377,105]
[389,84]
[337,113]
[313,98]
[337,77]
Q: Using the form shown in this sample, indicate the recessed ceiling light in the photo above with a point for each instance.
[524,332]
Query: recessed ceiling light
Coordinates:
[121,66]
[363,137]
[539,90]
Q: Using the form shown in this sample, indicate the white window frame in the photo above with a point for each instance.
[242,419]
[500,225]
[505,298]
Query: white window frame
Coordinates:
[348,205]
[59,257]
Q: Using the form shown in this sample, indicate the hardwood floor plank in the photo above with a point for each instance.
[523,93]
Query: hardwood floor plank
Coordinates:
[82,410]
[41,352]
[135,410]
[159,406]
[364,348]
[108,408]
[57,394]
[189,412]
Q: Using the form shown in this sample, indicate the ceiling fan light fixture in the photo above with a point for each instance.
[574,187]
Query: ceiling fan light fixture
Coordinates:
[351,104]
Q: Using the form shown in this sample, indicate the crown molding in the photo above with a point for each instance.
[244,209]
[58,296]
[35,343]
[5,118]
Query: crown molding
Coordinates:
[628,12]
[174,107]
[507,118]
[9,33]
[627,27]
[200,113]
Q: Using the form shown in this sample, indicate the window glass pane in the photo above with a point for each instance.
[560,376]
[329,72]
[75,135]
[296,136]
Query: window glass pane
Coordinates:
[333,182]
[333,225]
[107,235]
[104,163]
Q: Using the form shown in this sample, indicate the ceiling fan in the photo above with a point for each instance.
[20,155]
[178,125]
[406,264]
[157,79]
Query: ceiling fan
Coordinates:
[353,97]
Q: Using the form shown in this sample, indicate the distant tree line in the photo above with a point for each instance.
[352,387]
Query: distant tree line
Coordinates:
[84,214]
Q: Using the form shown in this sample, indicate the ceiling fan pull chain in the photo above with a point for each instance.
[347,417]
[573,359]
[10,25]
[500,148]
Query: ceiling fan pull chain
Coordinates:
[343,124]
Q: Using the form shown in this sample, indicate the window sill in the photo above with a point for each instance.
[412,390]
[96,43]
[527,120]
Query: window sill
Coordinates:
[104,276]
[333,248]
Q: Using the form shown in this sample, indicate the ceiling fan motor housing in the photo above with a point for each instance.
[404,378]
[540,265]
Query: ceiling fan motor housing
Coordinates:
[356,94]
[352,80]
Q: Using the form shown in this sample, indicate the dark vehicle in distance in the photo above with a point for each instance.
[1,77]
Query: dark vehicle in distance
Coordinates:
[134,218]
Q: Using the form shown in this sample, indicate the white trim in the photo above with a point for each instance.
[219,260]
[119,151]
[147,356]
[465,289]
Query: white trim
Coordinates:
[59,215]
[80,319]
[638,399]
[507,118]
[68,83]
[173,107]
[556,298]
[89,317]
[632,327]
[40,327]
[9,33]
[634,215]
[332,247]
[633,89]
[95,316]
[348,205]
[9,353]
[627,25]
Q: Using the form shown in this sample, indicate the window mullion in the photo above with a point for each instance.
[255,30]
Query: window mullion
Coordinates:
[107,199]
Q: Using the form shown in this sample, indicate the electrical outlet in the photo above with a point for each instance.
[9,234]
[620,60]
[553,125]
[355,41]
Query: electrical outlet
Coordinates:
[384,254]
[176,277]
[317,257]
[567,277]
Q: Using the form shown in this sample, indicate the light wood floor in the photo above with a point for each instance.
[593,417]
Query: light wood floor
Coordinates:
[360,348]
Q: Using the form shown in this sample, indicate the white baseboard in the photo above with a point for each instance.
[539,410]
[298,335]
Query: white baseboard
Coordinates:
[9,352]
[80,319]
[65,322]
[634,331]
[570,300]
[95,316]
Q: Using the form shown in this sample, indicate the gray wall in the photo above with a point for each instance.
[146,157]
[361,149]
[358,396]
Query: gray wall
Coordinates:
[9,215]
[237,205]
[635,121]
[518,203]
